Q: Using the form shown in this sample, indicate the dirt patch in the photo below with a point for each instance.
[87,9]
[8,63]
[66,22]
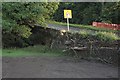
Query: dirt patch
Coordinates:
[55,67]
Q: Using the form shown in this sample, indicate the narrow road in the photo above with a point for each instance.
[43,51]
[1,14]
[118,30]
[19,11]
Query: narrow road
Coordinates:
[55,67]
[61,27]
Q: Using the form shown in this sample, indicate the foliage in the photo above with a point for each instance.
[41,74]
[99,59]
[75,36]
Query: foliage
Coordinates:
[106,36]
[18,19]
[99,35]
[50,7]
[86,13]
[84,34]
[15,15]
[12,40]
[111,13]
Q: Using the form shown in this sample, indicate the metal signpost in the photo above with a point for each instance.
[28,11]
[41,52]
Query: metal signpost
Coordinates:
[68,14]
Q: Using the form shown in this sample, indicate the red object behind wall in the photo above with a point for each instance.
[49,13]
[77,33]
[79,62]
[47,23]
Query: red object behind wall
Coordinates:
[106,25]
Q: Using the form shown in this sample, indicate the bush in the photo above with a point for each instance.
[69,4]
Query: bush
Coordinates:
[11,40]
[101,36]
[84,34]
[106,36]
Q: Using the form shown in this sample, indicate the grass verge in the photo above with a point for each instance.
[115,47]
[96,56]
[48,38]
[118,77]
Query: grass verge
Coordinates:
[99,35]
[37,50]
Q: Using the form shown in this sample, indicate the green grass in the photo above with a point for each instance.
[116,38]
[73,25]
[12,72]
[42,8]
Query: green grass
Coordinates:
[107,36]
[87,27]
[99,35]
[31,51]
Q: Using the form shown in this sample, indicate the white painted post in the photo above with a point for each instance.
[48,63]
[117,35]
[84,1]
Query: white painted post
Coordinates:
[68,24]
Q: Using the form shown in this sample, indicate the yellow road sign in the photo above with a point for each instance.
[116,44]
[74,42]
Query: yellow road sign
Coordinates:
[67,14]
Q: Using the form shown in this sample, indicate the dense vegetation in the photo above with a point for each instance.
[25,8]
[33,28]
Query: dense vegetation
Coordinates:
[86,13]
[19,19]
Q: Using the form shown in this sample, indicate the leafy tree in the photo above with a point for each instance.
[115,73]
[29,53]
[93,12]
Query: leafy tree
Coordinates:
[58,16]
[86,13]
[18,19]
[111,12]
[83,13]
[50,7]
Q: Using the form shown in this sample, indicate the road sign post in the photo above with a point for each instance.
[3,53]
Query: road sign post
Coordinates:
[68,14]
[68,24]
